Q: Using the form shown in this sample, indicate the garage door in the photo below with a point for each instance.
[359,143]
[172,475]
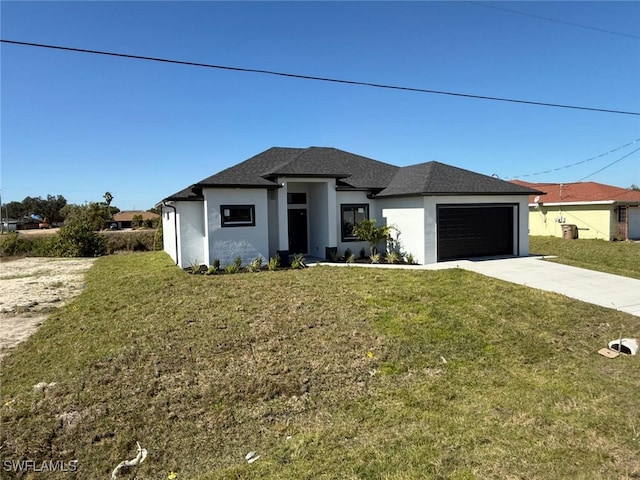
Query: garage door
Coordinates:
[633,215]
[475,231]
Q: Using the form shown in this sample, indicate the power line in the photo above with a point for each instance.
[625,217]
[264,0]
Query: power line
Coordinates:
[564,22]
[580,162]
[612,163]
[311,77]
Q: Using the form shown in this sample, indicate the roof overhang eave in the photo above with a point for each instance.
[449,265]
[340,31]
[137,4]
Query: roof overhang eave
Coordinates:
[563,204]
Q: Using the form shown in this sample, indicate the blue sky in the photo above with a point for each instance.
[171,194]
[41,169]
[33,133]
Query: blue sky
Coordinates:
[79,125]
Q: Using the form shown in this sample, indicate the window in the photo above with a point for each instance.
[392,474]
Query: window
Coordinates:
[296,198]
[238,215]
[350,215]
[622,214]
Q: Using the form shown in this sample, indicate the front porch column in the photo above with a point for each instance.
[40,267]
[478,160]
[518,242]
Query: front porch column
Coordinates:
[283,235]
[332,213]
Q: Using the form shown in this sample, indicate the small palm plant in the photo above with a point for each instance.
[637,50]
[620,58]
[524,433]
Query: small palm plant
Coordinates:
[274,263]
[366,230]
[298,261]
[255,265]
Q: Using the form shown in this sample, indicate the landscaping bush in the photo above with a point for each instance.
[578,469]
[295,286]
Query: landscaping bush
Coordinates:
[79,240]
[15,244]
[132,241]
[12,244]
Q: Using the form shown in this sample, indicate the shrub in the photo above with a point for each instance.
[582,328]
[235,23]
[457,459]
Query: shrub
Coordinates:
[79,240]
[351,258]
[194,268]
[298,261]
[362,253]
[158,239]
[130,241]
[232,268]
[366,230]
[211,270]
[347,253]
[274,263]
[410,258]
[375,257]
[335,256]
[13,244]
[216,264]
[44,245]
[238,262]
[255,265]
[393,257]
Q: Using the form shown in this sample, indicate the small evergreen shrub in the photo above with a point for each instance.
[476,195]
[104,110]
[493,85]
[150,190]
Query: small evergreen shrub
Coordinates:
[298,261]
[274,263]
[393,257]
[255,265]
[232,268]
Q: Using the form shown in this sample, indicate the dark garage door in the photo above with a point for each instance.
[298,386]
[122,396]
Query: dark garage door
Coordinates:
[474,231]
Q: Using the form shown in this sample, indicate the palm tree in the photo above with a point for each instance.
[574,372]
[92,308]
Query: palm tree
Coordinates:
[366,230]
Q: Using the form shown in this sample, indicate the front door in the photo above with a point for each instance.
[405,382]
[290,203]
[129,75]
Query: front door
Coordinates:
[298,230]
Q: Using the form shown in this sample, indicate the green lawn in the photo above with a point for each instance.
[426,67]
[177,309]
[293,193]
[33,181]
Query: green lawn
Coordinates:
[327,373]
[620,258]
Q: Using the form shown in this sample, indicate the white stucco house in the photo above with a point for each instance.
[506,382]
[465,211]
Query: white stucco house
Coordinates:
[306,200]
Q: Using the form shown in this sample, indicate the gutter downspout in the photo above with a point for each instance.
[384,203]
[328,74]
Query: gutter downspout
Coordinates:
[175,227]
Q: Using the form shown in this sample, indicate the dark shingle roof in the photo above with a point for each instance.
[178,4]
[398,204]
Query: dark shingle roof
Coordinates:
[435,178]
[261,169]
[352,172]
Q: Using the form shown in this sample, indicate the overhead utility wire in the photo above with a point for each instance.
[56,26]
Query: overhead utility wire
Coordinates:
[611,164]
[540,17]
[580,162]
[310,77]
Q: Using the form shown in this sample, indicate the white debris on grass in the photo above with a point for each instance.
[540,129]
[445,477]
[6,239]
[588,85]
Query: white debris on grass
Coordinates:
[251,457]
[142,454]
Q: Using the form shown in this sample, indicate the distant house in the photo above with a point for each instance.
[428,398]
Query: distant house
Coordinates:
[598,210]
[306,200]
[9,224]
[124,219]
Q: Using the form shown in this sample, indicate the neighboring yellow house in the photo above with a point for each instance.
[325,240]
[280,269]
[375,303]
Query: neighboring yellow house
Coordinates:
[595,209]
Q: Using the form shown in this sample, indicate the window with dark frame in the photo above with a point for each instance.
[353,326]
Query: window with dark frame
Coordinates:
[351,214]
[296,198]
[238,215]
[622,214]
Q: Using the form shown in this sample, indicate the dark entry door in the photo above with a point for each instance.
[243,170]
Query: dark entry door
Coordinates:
[475,231]
[298,240]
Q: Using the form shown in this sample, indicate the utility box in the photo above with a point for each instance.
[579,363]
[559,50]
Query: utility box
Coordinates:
[569,232]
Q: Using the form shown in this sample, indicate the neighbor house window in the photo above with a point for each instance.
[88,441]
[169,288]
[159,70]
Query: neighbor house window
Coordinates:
[238,215]
[622,214]
[350,215]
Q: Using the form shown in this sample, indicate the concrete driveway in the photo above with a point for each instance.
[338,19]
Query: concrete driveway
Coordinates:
[604,289]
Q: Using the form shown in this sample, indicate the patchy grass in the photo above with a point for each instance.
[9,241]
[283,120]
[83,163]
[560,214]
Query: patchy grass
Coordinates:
[620,258]
[326,373]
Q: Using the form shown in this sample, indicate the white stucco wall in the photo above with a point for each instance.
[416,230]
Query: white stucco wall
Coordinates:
[247,242]
[407,216]
[521,221]
[169,232]
[192,233]
[318,219]
[274,222]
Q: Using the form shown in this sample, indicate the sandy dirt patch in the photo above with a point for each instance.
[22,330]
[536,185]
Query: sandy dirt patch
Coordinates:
[30,288]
